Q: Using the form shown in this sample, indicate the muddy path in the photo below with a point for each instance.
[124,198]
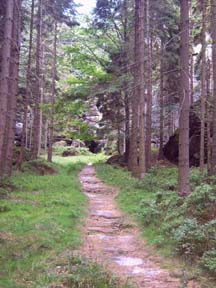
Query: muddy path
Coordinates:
[117,245]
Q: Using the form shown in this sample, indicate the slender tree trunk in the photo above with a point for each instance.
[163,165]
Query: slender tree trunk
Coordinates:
[161,154]
[208,115]
[142,95]
[203,88]
[191,60]
[184,172]
[5,76]
[24,141]
[52,100]
[41,101]
[127,125]
[38,88]
[213,34]
[149,89]
[133,155]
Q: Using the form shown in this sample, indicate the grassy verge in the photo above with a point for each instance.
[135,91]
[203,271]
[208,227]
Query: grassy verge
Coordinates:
[40,218]
[174,226]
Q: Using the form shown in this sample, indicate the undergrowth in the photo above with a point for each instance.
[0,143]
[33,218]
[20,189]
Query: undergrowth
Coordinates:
[186,227]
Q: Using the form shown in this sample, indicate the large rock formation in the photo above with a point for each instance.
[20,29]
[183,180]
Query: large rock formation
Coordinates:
[171,147]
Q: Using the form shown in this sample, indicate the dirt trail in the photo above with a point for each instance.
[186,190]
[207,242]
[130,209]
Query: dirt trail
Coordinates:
[118,246]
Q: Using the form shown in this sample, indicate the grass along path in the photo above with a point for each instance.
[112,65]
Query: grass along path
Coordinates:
[168,223]
[40,218]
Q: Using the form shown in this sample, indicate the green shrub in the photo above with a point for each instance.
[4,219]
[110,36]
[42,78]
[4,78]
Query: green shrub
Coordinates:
[208,261]
[196,178]
[148,212]
[190,238]
[201,203]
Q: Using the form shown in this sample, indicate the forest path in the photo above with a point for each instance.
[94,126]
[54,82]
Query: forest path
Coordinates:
[111,242]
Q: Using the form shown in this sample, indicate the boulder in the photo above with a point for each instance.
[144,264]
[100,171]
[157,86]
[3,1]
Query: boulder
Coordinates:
[70,152]
[171,147]
[117,160]
[61,143]
[78,143]
[95,146]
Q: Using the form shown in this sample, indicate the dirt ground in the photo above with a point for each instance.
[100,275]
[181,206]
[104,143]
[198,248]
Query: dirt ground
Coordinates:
[112,240]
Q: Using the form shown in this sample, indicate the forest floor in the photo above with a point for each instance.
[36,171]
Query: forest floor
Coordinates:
[115,241]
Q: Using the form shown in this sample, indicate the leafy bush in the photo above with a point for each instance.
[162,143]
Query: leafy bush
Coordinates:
[190,238]
[148,212]
[196,178]
[208,261]
[201,203]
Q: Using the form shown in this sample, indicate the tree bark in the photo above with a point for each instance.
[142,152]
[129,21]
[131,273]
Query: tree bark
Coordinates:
[203,87]
[133,155]
[52,100]
[183,170]
[37,90]
[5,76]
[161,102]
[13,90]
[208,115]
[24,141]
[213,34]
[142,91]
[149,88]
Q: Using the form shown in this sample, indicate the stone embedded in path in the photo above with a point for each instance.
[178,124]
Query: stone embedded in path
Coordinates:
[105,214]
[128,261]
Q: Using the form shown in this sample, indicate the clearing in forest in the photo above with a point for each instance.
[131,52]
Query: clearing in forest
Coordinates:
[117,245]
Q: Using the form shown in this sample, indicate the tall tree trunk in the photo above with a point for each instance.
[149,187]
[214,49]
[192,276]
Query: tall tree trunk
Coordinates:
[208,114]
[203,87]
[13,90]
[24,141]
[142,95]
[133,155]
[161,102]
[191,59]
[41,100]
[183,170]
[213,34]
[38,87]
[149,88]
[5,76]
[52,100]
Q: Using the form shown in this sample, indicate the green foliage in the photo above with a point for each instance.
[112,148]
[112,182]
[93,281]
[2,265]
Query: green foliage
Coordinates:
[190,238]
[209,261]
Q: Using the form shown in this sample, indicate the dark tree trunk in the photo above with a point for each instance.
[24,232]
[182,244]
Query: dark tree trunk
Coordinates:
[133,155]
[213,34]
[203,86]
[13,89]
[5,76]
[161,102]
[184,172]
[208,115]
[149,89]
